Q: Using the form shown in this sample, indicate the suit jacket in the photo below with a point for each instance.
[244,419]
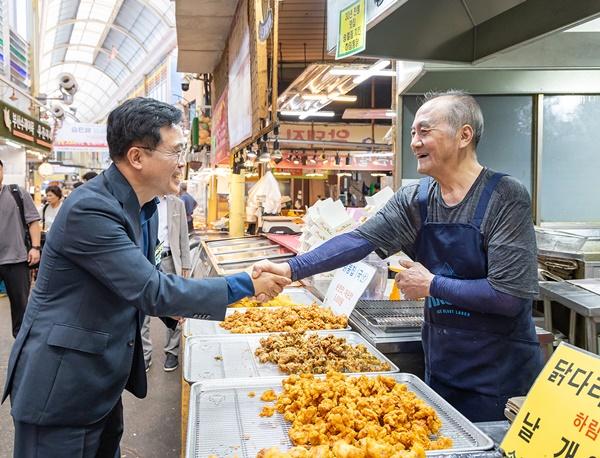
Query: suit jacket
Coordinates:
[79,345]
[179,242]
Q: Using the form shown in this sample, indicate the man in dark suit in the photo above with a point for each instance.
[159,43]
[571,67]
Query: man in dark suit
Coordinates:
[79,345]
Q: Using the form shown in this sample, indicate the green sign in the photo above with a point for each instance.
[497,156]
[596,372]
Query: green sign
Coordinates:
[352,37]
[24,129]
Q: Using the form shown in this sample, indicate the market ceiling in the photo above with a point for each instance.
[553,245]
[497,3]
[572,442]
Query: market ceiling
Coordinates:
[108,45]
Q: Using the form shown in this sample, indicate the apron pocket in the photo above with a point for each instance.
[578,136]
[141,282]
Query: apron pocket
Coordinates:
[465,359]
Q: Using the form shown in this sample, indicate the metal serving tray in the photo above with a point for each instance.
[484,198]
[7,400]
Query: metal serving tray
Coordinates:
[237,247]
[390,316]
[193,327]
[224,421]
[234,241]
[259,253]
[233,356]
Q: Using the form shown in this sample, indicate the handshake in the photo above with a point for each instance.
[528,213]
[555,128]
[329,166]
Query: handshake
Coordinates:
[269,279]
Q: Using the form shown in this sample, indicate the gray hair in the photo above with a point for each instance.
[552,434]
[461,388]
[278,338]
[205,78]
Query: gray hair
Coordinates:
[464,109]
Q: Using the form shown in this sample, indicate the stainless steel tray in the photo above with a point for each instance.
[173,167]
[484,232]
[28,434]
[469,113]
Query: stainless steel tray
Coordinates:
[390,316]
[233,356]
[258,253]
[194,327]
[239,247]
[224,421]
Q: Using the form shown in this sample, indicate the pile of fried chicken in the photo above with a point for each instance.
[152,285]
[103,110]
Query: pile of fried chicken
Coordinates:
[284,319]
[355,417]
[298,353]
[283,300]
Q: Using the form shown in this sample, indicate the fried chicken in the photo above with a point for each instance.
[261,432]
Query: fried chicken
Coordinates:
[296,353]
[284,319]
[356,417]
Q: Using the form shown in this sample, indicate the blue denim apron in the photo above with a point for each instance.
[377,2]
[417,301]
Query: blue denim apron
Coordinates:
[475,361]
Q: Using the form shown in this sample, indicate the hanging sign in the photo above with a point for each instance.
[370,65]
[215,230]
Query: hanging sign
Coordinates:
[81,137]
[352,37]
[347,286]
[561,415]
[24,129]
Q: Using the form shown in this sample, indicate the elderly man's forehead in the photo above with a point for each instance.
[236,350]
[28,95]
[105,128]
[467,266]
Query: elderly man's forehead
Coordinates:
[433,111]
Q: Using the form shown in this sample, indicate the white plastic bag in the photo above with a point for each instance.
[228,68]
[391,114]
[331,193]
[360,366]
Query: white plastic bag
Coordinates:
[266,190]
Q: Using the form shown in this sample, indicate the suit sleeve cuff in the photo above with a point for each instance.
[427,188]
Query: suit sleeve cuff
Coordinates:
[239,286]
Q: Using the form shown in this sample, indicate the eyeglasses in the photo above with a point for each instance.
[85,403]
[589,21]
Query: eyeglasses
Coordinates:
[178,155]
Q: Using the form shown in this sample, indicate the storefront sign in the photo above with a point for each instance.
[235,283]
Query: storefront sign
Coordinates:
[81,137]
[358,133]
[347,286]
[24,129]
[220,131]
[352,36]
[561,415]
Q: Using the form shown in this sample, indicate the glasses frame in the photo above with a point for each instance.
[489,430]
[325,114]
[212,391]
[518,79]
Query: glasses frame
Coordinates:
[170,154]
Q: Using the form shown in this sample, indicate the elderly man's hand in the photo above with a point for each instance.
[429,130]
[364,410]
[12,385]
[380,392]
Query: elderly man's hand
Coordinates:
[268,285]
[282,269]
[414,282]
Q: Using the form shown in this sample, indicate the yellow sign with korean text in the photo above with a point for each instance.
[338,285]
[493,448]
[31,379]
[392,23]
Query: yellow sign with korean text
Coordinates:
[560,417]
[352,37]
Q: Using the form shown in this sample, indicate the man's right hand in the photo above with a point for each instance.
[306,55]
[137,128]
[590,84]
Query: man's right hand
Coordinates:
[268,285]
[282,268]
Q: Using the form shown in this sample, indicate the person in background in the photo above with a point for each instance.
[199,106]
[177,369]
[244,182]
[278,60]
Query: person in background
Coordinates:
[18,224]
[88,176]
[175,259]
[470,231]
[50,209]
[79,346]
[190,205]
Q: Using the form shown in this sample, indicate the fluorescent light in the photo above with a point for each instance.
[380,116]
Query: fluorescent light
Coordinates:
[13,144]
[380,65]
[322,114]
[282,173]
[306,114]
[345,98]
[320,97]
[358,72]
[368,154]
[379,174]
[314,174]
[344,174]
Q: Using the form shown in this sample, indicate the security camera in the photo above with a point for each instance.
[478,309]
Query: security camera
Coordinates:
[58,111]
[185,86]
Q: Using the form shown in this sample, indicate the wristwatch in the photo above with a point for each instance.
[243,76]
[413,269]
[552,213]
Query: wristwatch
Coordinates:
[37,247]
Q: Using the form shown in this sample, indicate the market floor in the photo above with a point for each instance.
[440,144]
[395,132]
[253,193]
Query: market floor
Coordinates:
[152,425]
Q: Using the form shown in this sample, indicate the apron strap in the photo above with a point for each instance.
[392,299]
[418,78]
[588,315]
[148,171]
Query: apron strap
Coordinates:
[424,197]
[485,197]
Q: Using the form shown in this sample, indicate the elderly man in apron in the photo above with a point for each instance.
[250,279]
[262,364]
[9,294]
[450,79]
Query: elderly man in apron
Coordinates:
[470,231]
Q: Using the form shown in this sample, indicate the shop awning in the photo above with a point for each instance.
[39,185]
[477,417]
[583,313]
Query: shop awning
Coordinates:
[467,31]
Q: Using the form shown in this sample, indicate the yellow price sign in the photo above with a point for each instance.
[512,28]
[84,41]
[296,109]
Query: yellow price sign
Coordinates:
[352,36]
[560,417]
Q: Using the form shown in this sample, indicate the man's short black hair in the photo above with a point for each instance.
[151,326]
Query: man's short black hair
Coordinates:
[89,175]
[138,120]
[55,190]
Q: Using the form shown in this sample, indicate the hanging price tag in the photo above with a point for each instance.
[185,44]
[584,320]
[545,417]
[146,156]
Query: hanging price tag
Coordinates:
[347,286]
